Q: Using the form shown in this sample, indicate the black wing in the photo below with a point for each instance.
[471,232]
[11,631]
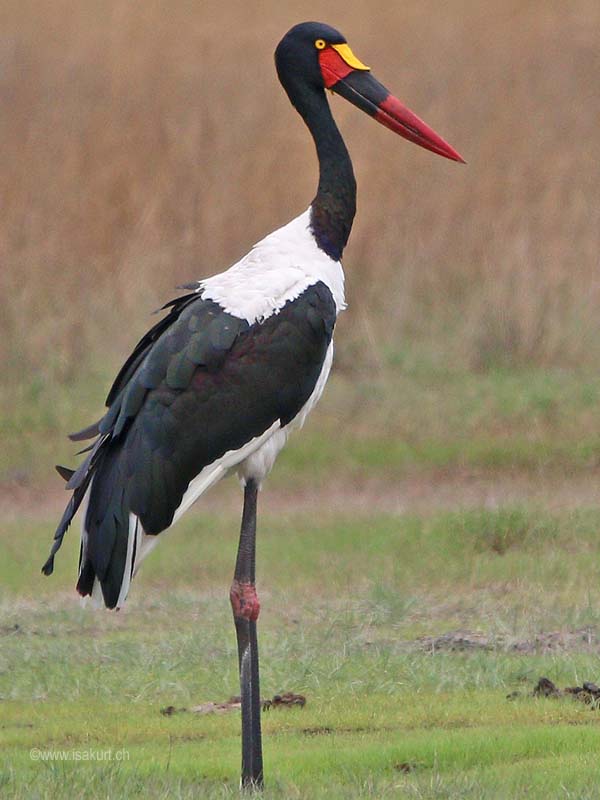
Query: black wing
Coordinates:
[140,351]
[202,382]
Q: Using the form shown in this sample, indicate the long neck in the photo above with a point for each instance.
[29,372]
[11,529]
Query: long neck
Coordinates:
[334,206]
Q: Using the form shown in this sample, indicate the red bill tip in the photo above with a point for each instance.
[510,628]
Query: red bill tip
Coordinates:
[398,118]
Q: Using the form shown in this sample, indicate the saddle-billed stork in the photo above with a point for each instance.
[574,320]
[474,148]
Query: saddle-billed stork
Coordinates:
[233,368]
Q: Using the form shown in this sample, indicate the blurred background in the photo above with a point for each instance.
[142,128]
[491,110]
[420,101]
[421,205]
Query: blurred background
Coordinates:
[146,145]
[429,542]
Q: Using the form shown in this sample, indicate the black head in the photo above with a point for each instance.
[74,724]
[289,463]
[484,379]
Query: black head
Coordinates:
[297,54]
[312,57]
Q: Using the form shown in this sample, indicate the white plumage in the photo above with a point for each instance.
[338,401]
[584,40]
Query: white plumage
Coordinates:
[277,269]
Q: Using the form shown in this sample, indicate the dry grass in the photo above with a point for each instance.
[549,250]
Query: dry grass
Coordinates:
[143,145]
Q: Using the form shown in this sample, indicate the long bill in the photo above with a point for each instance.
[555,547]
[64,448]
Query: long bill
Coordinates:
[354,82]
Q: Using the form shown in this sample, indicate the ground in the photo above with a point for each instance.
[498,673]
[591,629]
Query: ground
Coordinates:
[405,630]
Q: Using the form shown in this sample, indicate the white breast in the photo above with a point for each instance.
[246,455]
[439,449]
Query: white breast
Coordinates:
[277,269]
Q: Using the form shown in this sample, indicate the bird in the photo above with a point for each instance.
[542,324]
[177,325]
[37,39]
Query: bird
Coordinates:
[233,367]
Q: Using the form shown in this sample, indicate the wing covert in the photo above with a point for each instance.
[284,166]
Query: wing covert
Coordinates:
[200,383]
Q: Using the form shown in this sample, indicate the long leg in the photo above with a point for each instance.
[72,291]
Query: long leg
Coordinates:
[246,608]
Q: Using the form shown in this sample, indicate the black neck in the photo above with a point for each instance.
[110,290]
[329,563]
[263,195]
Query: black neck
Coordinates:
[334,206]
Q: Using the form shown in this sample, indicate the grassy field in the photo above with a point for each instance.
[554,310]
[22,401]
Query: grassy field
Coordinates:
[404,632]
[429,543]
[379,425]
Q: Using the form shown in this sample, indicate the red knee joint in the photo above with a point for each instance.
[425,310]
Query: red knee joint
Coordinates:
[244,600]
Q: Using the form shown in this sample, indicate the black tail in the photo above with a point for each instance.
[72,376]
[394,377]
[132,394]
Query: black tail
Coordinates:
[106,552]
[106,473]
[69,513]
[105,537]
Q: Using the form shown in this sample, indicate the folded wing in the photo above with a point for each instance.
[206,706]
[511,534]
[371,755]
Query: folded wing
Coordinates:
[201,383]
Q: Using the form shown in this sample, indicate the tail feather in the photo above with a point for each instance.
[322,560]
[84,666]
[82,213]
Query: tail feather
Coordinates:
[132,547]
[65,473]
[85,584]
[116,578]
[110,533]
[66,519]
[87,467]
[87,433]
[78,481]
[110,537]
[111,546]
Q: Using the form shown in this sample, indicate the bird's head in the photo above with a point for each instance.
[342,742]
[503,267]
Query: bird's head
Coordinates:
[317,55]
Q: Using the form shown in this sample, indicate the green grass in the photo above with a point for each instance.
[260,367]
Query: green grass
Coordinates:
[545,559]
[346,602]
[180,755]
[409,417]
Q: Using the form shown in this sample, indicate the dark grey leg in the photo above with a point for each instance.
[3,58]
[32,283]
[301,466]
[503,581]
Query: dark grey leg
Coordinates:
[246,608]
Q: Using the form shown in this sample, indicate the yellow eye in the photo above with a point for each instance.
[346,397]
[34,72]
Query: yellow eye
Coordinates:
[320,44]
